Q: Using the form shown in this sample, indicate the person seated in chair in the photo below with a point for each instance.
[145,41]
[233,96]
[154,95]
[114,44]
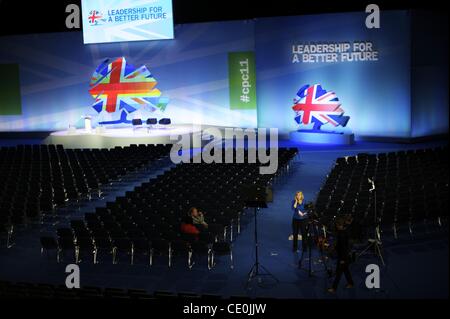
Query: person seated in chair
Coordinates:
[198,219]
[194,223]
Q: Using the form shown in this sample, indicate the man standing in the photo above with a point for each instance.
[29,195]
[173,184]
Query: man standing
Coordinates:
[343,256]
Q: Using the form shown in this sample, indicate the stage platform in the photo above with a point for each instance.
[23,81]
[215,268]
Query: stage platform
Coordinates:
[112,137]
[318,137]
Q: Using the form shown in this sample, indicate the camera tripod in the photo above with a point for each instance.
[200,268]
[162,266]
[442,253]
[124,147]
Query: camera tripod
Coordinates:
[312,225]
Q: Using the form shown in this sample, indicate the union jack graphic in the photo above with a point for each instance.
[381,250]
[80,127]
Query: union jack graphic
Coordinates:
[94,17]
[313,104]
[120,86]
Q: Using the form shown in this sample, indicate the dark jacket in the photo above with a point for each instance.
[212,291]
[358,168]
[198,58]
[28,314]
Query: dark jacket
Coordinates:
[342,245]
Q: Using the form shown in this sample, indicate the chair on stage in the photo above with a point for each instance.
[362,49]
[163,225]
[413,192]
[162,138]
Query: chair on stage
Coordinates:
[136,123]
[150,123]
[165,122]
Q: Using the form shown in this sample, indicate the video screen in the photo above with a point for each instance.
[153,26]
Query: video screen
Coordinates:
[121,21]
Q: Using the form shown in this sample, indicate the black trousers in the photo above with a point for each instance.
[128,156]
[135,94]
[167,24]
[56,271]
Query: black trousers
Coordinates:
[299,226]
[342,268]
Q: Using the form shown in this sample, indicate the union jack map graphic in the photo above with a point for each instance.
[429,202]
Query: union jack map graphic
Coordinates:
[96,18]
[314,105]
[119,87]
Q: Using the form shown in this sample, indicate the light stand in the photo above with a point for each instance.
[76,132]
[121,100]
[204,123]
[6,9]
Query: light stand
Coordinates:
[374,243]
[257,271]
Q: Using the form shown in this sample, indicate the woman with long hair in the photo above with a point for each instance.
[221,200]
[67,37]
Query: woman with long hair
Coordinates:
[299,220]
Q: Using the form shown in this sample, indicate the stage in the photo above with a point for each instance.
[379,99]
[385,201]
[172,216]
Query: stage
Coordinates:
[112,137]
[319,137]
[103,137]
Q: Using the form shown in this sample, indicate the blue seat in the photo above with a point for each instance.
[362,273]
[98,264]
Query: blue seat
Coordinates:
[152,121]
[165,121]
[136,123]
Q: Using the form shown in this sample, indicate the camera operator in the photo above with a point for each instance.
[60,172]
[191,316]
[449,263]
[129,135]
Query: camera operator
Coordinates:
[342,247]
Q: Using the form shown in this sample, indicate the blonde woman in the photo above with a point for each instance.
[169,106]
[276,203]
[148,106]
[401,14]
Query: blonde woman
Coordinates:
[299,220]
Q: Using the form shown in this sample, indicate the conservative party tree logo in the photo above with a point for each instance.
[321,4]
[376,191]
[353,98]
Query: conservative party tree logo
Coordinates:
[120,88]
[314,105]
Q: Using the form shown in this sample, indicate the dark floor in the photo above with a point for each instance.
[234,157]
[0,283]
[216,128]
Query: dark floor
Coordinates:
[416,267]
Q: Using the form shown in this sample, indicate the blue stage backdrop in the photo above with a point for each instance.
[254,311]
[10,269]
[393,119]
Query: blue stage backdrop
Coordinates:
[191,71]
[385,79]
[375,93]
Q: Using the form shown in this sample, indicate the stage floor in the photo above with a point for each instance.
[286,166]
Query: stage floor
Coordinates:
[109,138]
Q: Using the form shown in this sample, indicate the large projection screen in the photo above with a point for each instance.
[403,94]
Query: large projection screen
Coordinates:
[107,21]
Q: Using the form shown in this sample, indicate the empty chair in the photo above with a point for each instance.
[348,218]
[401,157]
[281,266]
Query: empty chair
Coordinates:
[222,249]
[81,233]
[136,123]
[66,244]
[64,233]
[165,121]
[200,248]
[102,244]
[160,247]
[94,225]
[179,248]
[150,122]
[141,246]
[84,245]
[91,217]
[170,235]
[49,243]
[121,245]
[217,231]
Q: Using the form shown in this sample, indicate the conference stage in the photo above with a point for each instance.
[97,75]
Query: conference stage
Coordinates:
[112,137]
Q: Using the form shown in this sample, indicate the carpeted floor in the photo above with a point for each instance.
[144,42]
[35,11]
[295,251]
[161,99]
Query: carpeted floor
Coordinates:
[415,267]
